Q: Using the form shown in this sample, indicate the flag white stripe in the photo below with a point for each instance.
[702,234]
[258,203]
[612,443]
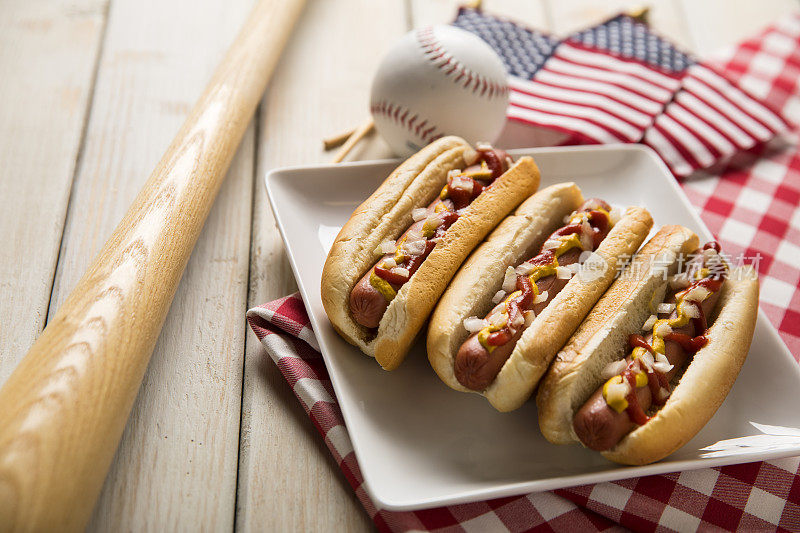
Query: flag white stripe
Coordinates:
[717,101]
[668,152]
[607,120]
[554,64]
[699,127]
[712,116]
[737,97]
[590,130]
[636,101]
[686,139]
[617,65]
[581,97]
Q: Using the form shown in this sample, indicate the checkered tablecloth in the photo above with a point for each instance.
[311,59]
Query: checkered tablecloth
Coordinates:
[752,206]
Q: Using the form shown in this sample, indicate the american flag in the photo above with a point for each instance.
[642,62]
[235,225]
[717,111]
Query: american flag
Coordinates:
[620,82]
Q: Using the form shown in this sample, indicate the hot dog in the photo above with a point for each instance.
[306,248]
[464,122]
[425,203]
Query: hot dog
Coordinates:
[483,354]
[394,257]
[372,294]
[531,307]
[613,387]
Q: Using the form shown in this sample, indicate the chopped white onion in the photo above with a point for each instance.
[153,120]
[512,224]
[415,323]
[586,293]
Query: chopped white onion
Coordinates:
[401,271]
[587,234]
[453,173]
[510,279]
[615,214]
[498,296]
[647,360]
[518,320]
[665,308]
[662,330]
[662,363]
[419,213]
[697,294]
[386,247]
[708,253]
[524,269]
[529,317]
[389,262]
[617,390]
[483,145]
[474,324]
[563,272]
[541,297]
[648,325]
[614,368]
[414,235]
[433,221]
[551,244]
[663,394]
[567,218]
[691,309]
[414,247]
[498,320]
[461,183]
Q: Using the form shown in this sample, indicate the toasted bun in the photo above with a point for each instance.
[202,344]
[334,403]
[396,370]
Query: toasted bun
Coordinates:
[602,337]
[514,240]
[706,381]
[385,215]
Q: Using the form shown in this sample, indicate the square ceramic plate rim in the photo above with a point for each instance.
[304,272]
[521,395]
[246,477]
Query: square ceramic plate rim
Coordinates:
[524,487]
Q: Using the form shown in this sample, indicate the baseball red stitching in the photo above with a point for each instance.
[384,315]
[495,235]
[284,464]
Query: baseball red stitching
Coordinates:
[425,130]
[447,63]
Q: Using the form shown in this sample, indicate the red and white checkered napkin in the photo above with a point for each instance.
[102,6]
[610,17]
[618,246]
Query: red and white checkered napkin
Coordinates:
[754,496]
[752,207]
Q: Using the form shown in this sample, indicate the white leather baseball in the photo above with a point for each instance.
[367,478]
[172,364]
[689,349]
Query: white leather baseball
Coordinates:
[437,81]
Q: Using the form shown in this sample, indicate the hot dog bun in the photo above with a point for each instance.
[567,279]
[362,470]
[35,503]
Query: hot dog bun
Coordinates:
[472,289]
[576,370]
[385,215]
[603,337]
[707,380]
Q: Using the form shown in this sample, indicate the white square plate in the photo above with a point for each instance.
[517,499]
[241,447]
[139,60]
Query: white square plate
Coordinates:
[421,444]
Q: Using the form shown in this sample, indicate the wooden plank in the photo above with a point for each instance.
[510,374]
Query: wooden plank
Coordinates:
[716,24]
[48,51]
[176,465]
[288,480]
[533,14]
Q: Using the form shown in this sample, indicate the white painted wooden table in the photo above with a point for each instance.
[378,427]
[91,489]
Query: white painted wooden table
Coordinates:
[91,93]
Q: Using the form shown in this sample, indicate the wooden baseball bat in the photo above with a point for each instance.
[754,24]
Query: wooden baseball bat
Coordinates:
[63,410]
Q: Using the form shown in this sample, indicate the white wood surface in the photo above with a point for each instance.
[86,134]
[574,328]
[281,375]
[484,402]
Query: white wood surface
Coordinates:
[216,439]
[48,52]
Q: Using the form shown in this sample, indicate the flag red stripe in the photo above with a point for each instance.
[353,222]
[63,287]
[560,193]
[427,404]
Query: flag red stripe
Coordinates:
[750,130]
[530,88]
[599,109]
[600,125]
[714,152]
[642,103]
[598,78]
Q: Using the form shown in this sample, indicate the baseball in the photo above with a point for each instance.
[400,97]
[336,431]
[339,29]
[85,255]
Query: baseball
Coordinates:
[437,81]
